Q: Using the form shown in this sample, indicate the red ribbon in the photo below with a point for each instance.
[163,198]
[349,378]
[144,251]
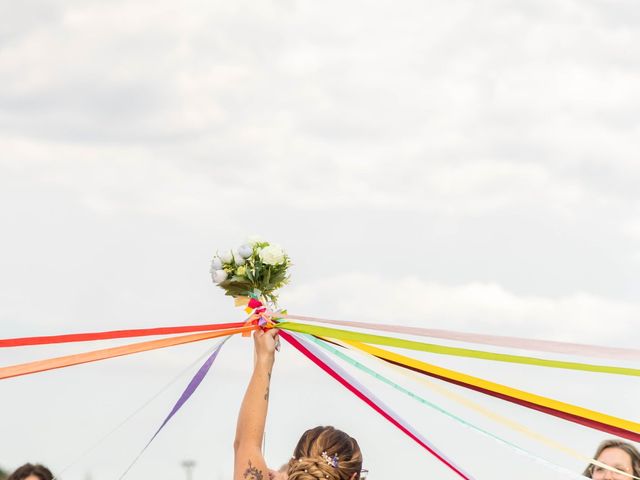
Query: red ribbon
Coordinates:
[139,332]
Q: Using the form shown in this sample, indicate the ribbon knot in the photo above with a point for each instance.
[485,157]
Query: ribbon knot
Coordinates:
[259,313]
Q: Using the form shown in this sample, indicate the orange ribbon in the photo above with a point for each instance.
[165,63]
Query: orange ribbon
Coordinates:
[95,355]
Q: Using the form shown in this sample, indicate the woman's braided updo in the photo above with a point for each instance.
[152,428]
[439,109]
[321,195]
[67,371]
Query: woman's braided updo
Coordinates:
[325,453]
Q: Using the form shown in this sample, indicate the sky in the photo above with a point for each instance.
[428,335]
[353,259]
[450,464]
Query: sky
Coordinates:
[459,165]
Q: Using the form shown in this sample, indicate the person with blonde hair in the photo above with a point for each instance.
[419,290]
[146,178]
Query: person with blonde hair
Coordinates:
[617,454]
[322,453]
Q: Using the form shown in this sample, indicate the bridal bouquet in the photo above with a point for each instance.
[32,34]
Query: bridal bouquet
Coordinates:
[255,269]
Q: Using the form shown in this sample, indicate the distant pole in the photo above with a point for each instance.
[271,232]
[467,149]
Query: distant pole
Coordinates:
[188,466]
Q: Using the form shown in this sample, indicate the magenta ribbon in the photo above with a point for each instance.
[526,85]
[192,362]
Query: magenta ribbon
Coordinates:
[355,387]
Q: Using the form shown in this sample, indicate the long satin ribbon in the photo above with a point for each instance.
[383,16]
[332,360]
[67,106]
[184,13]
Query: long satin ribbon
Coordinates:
[456,351]
[580,349]
[549,442]
[186,394]
[590,418]
[553,444]
[440,409]
[362,393]
[95,355]
[138,332]
[567,348]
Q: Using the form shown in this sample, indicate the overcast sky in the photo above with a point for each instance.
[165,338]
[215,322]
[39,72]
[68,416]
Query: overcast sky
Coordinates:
[449,164]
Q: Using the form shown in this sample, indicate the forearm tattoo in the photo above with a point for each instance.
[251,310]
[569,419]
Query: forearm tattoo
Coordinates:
[252,473]
[266,394]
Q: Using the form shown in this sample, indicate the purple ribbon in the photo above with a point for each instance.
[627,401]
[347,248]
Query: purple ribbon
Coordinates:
[192,387]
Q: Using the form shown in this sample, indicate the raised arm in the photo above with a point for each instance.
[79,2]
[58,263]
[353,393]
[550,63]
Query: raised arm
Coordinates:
[249,463]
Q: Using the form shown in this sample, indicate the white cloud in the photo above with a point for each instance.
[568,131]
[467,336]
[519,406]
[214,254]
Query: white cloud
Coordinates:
[412,116]
[472,307]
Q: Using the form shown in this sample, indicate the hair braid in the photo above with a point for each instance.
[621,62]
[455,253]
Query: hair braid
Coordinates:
[316,446]
[311,469]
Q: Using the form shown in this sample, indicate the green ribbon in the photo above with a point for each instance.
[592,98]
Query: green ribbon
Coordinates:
[456,351]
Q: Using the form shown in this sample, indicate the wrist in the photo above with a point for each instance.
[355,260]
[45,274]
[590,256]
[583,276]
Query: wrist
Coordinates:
[265,360]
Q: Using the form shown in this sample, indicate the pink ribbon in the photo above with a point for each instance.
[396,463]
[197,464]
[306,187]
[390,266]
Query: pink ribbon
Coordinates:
[617,353]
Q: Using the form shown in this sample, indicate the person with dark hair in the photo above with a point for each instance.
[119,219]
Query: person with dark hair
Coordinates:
[322,453]
[29,471]
[617,454]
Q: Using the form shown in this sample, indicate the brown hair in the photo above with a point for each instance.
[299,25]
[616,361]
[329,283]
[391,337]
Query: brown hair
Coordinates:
[309,461]
[613,443]
[28,469]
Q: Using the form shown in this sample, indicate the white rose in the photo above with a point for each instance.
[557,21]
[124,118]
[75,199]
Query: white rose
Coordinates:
[245,251]
[238,260]
[272,255]
[226,257]
[216,264]
[219,276]
[253,239]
